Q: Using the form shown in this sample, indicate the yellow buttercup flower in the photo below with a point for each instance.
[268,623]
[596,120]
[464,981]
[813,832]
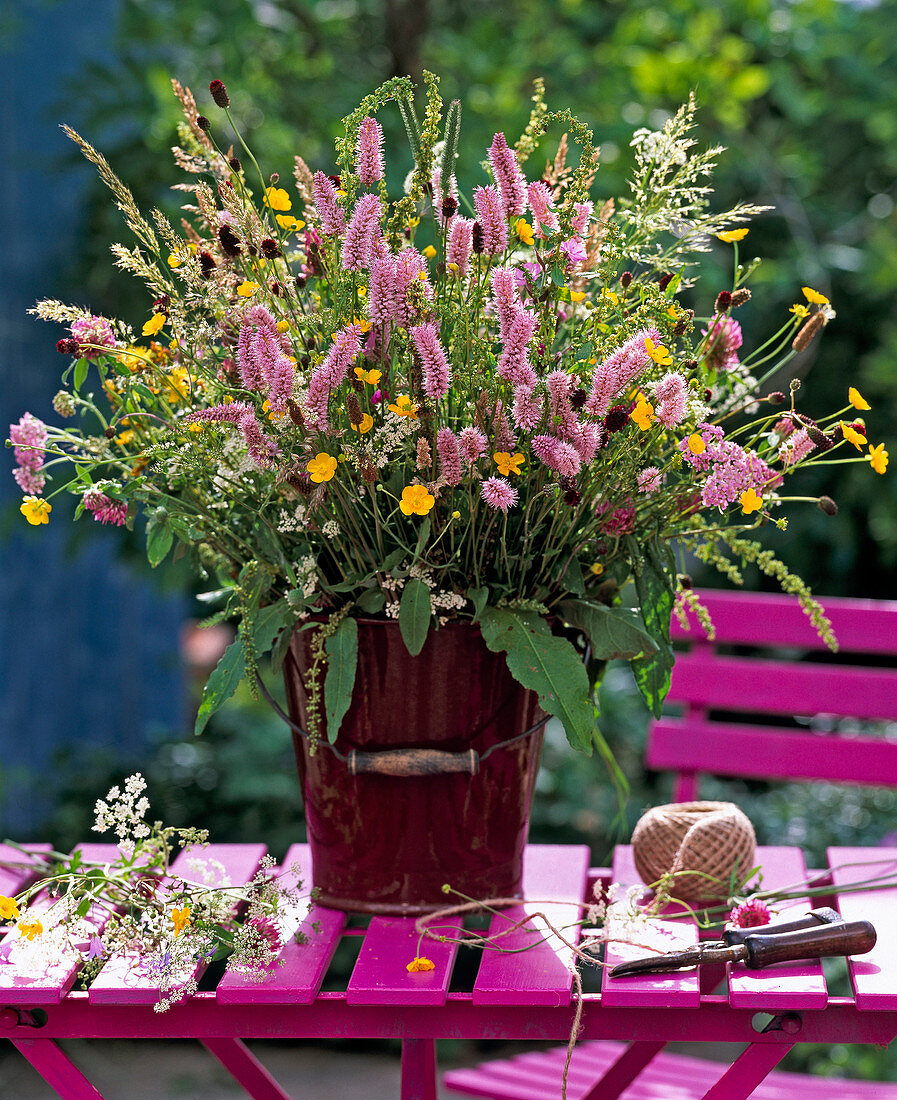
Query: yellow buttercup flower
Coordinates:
[363,323]
[814,296]
[853,436]
[524,231]
[30,928]
[196,426]
[429,252]
[878,458]
[181,919]
[372,377]
[271,413]
[643,413]
[289,223]
[857,400]
[403,406]
[696,443]
[750,501]
[508,463]
[322,467]
[611,297]
[152,326]
[596,569]
[364,425]
[247,289]
[799,310]
[577,295]
[419,964]
[731,235]
[657,352]
[416,500]
[277,199]
[36,510]
[9,907]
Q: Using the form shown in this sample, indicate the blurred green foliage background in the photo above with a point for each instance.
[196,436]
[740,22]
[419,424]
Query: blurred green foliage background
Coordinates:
[802,93]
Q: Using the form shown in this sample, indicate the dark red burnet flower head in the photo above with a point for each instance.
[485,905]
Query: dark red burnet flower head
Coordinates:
[219,93]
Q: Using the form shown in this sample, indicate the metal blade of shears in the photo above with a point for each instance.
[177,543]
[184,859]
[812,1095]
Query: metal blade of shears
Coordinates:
[670,961]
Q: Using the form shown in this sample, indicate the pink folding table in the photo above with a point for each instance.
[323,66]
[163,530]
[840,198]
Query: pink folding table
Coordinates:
[520,996]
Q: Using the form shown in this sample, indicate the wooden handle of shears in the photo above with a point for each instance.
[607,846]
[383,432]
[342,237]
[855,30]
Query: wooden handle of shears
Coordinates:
[822,942]
[813,919]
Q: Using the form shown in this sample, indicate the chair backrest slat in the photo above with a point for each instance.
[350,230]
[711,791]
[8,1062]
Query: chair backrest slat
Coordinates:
[781,670]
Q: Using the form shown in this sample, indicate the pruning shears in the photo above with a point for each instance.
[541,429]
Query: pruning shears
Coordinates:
[819,934]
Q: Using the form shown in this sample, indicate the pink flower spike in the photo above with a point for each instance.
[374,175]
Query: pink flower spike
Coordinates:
[382,290]
[648,480]
[449,456]
[669,399]
[29,438]
[437,374]
[93,330]
[541,202]
[723,341]
[581,217]
[507,175]
[527,411]
[262,450]
[492,221]
[364,231]
[460,244]
[498,493]
[330,374]
[504,292]
[221,414]
[333,219]
[471,444]
[369,152]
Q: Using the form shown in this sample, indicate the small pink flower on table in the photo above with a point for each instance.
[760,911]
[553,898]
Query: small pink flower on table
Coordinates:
[750,913]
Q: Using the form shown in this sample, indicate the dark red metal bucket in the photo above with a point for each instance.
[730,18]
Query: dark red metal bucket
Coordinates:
[386,843]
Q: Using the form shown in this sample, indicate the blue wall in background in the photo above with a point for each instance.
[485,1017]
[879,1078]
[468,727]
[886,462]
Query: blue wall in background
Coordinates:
[88,651]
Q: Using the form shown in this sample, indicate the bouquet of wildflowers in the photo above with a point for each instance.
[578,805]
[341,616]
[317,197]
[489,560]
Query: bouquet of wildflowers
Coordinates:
[166,922]
[485,403]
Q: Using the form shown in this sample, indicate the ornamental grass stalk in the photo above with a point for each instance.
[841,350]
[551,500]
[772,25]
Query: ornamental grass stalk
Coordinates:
[339,391]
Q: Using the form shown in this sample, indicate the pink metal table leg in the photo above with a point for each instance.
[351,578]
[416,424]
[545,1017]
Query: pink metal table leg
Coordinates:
[418,1069]
[748,1070]
[618,1077]
[245,1069]
[55,1068]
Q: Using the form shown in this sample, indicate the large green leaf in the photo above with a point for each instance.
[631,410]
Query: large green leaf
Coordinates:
[613,632]
[547,665]
[342,657]
[414,615]
[222,683]
[655,577]
[159,537]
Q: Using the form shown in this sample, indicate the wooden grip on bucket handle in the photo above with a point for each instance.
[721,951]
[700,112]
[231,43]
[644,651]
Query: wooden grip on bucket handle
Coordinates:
[413,762]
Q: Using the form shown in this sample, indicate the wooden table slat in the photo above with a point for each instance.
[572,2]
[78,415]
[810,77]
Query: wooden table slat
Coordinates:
[297,976]
[124,980]
[552,875]
[380,975]
[678,990]
[874,975]
[12,879]
[47,983]
[787,986]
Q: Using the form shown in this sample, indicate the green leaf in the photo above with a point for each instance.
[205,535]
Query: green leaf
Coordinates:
[545,664]
[83,908]
[571,578]
[655,574]
[342,657]
[613,632]
[159,538]
[268,623]
[371,601]
[392,560]
[222,683]
[479,597]
[414,615]
[81,366]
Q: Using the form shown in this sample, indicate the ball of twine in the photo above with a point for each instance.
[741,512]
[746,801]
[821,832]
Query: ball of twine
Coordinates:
[714,838]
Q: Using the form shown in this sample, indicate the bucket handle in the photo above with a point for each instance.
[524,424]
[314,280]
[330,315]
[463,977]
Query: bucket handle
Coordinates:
[399,762]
